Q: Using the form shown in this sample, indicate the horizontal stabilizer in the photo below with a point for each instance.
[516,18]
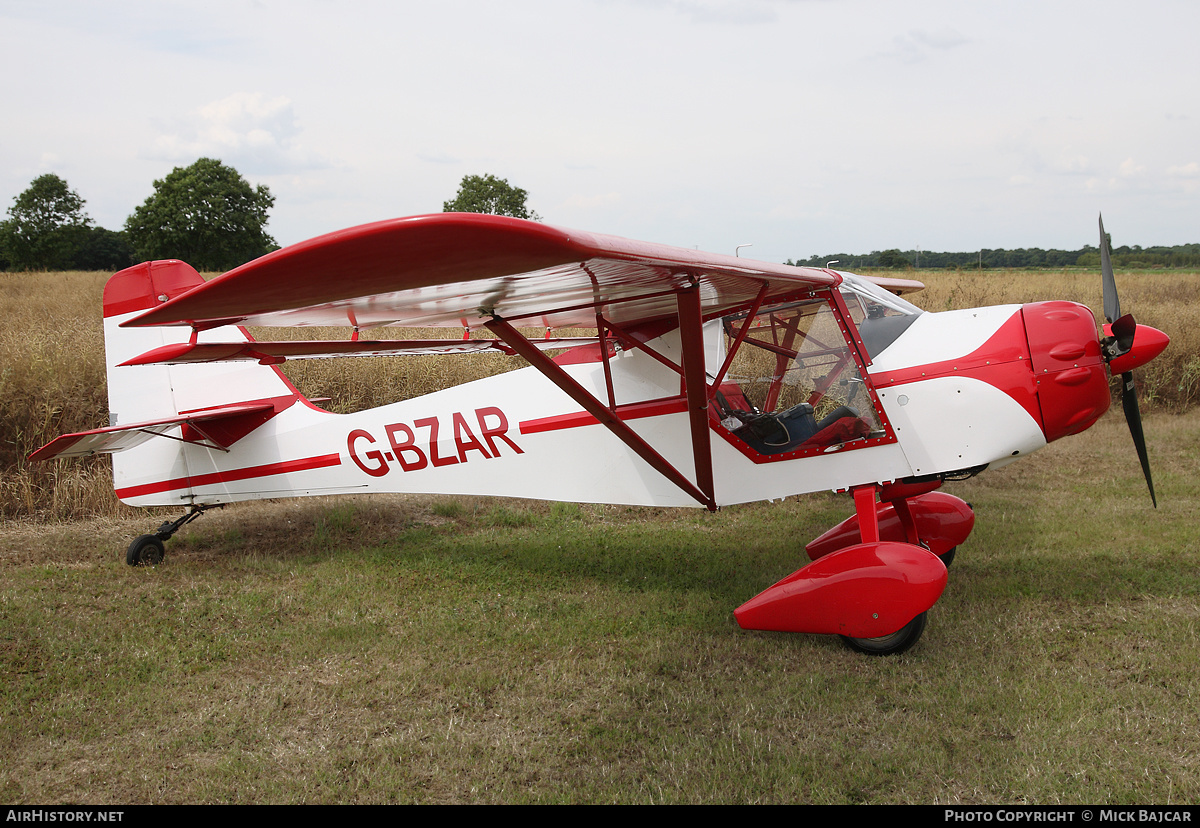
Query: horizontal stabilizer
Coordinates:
[272,353]
[211,428]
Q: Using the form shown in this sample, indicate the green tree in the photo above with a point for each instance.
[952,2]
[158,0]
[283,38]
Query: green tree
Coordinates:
[488,194]
[206,214]
[894,259]
[46,226]
[104,250]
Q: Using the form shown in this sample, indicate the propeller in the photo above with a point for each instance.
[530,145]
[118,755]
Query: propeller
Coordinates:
[1120,343]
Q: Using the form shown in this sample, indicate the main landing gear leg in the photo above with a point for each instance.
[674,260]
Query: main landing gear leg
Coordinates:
[148,550]
[868,522]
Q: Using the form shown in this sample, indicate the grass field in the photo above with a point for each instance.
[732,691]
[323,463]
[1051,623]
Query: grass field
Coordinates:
[432,649]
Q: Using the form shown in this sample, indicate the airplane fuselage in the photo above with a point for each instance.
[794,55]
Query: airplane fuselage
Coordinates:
[952,392]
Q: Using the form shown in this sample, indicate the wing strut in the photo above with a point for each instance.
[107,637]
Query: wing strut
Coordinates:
[513,338]
[691,338]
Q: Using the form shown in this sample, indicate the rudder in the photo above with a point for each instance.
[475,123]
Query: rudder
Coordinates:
[139,393]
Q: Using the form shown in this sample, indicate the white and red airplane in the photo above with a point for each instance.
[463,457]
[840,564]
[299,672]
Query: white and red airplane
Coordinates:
[711,380]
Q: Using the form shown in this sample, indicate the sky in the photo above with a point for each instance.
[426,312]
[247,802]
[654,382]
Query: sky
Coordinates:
[801,127]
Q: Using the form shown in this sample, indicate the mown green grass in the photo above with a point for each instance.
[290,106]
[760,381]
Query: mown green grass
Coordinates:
[428,649]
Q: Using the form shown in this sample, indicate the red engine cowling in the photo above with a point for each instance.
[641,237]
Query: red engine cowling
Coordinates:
[864,591]
[1067,365]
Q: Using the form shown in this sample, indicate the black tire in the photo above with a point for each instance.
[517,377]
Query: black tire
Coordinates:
[897,642]
[146,550]
[948,557]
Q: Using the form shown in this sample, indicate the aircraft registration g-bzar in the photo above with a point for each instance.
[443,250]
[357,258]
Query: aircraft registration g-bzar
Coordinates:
[710,380]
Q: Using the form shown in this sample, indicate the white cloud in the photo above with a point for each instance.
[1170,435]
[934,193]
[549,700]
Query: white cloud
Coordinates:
[1185,177]
[438,157]
[246,130]
[940,39]
[916,45]
[1071,163]
[578,201]
[737,12]
[1130,169]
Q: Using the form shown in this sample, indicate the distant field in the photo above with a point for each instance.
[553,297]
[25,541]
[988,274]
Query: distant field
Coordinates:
[52,370]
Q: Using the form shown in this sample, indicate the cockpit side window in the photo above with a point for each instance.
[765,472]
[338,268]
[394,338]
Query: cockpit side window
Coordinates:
[794,385]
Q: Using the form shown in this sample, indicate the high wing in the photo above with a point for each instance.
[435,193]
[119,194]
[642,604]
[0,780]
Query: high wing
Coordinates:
[505,275]
[462,269]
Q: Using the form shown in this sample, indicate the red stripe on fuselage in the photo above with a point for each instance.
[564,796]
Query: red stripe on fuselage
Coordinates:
[631,411]
[1003,362]
[268,470]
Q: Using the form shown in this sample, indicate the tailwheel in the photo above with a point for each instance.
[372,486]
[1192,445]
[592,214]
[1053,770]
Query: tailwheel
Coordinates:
[892,644]
[146,550]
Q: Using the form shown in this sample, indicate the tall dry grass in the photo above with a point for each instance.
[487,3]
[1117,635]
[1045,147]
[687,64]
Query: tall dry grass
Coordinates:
[51,382]
[357,384]
[1163,299]
[52,366]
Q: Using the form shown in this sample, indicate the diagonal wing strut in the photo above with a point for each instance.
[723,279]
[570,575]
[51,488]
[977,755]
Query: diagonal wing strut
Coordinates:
[690,323]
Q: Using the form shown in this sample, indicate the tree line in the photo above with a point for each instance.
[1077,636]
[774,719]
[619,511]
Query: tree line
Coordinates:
[206,214]
[1136,256]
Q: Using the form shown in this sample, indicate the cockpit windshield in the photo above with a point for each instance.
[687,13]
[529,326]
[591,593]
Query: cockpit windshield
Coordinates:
[881,316]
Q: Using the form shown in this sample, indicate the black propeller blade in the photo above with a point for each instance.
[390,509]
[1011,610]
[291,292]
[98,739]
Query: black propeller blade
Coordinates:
[1123,328]
[1133,416]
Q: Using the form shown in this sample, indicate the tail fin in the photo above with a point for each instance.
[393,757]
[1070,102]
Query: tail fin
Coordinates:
[141,393]
[145,392]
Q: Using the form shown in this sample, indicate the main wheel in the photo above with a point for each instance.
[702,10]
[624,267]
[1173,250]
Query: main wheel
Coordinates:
[897,642]
[146,550]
